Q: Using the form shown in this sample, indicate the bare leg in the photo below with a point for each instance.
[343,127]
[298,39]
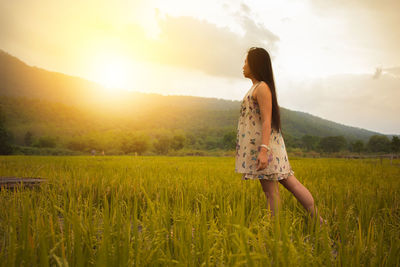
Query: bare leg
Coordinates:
[271,190]
[302,194]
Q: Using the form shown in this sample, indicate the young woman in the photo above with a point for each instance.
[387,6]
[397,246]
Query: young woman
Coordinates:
[260,149]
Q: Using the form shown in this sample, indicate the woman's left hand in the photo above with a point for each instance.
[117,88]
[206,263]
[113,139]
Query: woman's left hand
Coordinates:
[262,160]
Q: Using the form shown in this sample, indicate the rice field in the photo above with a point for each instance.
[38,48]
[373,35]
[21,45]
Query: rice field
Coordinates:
[195,211]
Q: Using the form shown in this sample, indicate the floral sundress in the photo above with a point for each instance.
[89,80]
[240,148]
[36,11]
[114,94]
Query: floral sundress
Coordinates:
[248,140]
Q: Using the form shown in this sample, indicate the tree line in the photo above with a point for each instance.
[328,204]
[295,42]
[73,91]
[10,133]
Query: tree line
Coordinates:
[204,138]
[375,144]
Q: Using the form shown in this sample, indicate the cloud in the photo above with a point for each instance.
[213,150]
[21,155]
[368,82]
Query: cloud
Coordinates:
[59,28]
[357,100]
[255,32]
[245,9]
[372,25]
[52,34]
[394,71]
[385,9]
[200,45]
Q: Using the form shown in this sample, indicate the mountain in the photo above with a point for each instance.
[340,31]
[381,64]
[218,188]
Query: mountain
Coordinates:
[44,100]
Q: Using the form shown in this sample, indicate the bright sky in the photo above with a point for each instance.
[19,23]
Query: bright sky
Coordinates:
[324,53]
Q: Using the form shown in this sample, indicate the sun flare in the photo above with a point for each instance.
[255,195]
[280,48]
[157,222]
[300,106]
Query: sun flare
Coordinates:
[111,71]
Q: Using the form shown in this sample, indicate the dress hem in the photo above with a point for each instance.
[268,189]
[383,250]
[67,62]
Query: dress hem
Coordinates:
[270,177]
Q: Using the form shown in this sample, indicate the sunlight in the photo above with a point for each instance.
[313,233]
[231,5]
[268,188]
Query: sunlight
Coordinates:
[113,75]
[111,71]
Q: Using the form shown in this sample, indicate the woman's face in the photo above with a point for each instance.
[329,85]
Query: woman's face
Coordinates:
[246,69]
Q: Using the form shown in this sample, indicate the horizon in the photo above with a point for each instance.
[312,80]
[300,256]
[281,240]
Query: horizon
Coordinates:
[206,97]
[136,46]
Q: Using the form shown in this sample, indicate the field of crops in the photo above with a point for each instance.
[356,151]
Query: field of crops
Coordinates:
[195,211]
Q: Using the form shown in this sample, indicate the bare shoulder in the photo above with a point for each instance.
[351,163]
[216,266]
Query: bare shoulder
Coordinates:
[262,90]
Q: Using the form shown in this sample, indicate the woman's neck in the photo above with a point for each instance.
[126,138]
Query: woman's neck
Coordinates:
[254,80]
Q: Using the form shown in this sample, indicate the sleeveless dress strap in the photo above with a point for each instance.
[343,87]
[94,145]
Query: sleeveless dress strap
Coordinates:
[254,87]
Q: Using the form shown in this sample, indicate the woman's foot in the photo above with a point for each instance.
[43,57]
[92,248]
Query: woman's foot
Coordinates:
[321,220]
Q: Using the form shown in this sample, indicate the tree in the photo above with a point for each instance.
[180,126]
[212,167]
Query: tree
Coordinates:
[229,140]
[210,142]
[310,142]
[291,141]
[178,142]
[379,143]
[45,141]
[5,141]
[395,144]
[332,143]
[139,144]
[162,145]
[357,146]
[28,138]
[92,143]
[6,137]
[125,145]
[76,145]
[191,139]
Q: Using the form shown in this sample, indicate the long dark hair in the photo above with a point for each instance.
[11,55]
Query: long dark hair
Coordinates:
[261,68]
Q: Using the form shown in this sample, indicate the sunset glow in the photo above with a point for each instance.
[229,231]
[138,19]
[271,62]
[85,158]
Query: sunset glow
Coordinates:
[321,52]
[111,71]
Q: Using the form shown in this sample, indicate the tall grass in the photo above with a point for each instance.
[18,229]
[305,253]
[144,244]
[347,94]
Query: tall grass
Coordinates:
[195,211]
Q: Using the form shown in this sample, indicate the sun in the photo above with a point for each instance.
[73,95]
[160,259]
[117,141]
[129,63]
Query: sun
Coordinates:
[113,76]
[111,71]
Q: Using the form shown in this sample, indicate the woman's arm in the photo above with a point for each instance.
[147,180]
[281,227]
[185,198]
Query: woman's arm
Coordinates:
[264,100]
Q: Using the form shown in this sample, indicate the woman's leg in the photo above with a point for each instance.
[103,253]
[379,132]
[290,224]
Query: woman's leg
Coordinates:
[271,190]
[301,193]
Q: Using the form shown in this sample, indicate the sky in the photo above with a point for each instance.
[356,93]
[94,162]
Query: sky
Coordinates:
[337,59]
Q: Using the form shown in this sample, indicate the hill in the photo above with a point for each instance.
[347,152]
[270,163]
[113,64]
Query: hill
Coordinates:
[56,103]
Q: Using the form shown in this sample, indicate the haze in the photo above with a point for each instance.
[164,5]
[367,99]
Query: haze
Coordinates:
[338,60]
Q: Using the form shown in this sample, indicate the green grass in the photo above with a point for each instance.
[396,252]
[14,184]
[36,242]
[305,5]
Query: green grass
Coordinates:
[195,211]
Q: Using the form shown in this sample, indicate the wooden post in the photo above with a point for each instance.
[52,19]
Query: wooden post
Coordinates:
[14,182]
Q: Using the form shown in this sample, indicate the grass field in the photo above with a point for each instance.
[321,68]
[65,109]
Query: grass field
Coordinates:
[195,211]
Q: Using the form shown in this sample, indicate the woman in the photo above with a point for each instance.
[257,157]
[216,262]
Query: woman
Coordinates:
[260,149]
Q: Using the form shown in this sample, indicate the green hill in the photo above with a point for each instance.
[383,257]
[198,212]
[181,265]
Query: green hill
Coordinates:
[65,106]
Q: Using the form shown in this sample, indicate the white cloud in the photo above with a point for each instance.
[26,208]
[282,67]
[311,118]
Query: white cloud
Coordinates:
[356,100]
[200,45]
